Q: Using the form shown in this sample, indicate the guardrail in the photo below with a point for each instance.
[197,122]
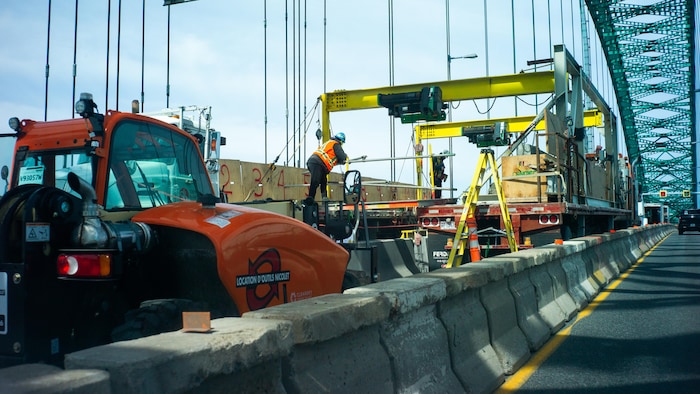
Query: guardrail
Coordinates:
[453,330]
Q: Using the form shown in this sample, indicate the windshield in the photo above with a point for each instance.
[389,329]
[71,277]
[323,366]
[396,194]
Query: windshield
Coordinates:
[149,165]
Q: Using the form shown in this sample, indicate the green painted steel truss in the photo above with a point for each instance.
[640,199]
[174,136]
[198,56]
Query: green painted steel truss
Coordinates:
[649,46]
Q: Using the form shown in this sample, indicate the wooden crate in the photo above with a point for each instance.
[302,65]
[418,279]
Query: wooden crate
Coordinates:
[518,183]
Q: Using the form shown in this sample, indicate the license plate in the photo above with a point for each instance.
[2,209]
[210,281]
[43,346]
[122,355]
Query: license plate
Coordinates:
[447,226]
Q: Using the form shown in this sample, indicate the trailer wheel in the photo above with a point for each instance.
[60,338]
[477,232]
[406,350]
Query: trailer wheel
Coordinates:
[566,232]
[155,317]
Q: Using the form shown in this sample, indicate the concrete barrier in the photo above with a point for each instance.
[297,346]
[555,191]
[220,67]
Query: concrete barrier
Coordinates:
[394,259]
[547,306]
[585,283]
[474,360]
[505,335]
[452,330]
[575,276]
[42,378]
[591,259]
[560,287]
[243,354]
[332,335]
[530,322]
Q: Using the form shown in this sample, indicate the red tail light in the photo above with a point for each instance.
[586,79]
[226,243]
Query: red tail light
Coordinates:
[84,265]
[426,222]
[549,219]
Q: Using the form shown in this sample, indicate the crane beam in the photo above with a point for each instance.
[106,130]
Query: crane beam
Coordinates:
[452,90]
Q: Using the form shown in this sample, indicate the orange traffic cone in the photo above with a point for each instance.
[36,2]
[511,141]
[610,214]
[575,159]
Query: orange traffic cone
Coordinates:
[474,248]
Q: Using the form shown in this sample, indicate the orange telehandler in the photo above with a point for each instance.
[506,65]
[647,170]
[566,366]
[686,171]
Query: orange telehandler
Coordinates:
[111,228]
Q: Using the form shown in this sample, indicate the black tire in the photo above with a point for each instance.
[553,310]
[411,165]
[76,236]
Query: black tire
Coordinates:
[566,232]
[155,317]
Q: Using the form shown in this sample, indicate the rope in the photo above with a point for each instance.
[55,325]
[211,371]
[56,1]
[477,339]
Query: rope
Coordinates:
[271,167]
[302,141]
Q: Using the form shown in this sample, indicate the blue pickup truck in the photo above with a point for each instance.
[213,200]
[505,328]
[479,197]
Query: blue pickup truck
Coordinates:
[689,221]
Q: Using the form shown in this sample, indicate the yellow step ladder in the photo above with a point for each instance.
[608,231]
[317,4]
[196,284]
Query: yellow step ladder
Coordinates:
[486,159]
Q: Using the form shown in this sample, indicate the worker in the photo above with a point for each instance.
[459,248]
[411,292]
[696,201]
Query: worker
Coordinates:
[322,161]
[439,175]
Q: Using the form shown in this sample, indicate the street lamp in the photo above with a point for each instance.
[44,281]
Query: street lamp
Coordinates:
[449,109]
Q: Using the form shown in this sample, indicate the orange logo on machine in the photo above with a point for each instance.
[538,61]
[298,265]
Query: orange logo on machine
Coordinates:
[263,287]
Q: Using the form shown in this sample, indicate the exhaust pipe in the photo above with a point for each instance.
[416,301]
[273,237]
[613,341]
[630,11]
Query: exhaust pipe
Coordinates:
[94,233]
[90,233]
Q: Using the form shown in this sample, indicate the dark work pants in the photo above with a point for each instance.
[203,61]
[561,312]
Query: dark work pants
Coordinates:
[438,192]
[318,178]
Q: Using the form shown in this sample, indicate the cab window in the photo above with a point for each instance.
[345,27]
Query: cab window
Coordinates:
[51,168]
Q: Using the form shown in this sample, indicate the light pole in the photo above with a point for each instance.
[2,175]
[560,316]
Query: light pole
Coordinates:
[449,108]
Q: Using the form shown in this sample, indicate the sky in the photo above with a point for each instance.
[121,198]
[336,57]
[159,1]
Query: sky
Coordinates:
[261,69]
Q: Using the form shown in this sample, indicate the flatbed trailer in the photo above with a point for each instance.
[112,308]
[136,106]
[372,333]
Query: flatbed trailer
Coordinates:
[396,219]
[535,224]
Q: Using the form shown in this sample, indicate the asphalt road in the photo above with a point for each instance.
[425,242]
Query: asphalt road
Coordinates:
[641,335]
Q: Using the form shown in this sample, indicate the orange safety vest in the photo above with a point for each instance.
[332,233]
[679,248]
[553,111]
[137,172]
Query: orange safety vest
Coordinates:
[327,154]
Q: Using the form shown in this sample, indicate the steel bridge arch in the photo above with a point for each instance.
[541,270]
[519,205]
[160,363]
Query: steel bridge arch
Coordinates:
[650,50]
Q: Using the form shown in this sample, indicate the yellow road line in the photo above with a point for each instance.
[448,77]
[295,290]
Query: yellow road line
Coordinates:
[518,379]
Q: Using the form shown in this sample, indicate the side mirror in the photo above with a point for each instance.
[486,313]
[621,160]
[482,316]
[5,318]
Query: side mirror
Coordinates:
[4,173]
[352,187]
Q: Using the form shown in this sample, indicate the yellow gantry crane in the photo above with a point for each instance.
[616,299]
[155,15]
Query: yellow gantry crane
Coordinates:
[426,102]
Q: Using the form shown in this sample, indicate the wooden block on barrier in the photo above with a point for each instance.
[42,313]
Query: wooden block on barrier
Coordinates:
[196,321]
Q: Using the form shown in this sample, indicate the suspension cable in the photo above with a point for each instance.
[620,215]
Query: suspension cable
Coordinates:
[512,27]
[119,46]
[392,125]
[109,19]
[143,50]
[48,45]
[305,59]
[265,74]
[286,73]
[75,52]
